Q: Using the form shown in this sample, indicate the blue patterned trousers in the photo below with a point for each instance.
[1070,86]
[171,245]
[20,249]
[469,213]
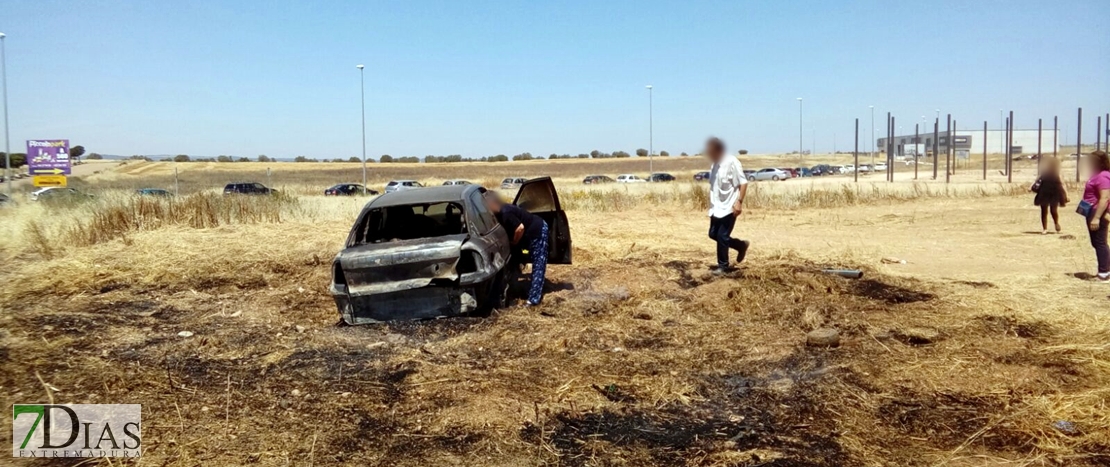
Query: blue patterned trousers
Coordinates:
[538,249]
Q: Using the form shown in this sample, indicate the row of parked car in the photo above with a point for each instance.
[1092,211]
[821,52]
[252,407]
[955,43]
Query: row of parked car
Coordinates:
[628,178]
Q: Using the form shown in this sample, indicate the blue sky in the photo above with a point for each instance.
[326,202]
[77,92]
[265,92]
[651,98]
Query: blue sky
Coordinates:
[480,78]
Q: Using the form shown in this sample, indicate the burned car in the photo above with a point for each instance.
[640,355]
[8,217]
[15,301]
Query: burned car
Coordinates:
[436,252]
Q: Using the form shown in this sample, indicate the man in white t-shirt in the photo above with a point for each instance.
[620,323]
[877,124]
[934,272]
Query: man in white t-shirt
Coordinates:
[727,188]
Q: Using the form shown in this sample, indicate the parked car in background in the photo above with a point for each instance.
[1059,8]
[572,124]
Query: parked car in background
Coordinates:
[402,185]
[865,168]
[660,177]
[58,194]
[629,178]
[701,176]
[248,188]
[348,189]
[437,252]
[456,182]
[596,179]
[803,172]
[821,170]
[789,171]
[880,167]
[153,192]
[512,183]
[769,173]
[749,174]
[836,169]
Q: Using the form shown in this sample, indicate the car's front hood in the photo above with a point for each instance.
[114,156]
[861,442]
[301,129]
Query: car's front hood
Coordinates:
[395,266]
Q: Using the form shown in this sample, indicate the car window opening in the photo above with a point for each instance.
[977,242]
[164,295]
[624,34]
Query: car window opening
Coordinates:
[410,222]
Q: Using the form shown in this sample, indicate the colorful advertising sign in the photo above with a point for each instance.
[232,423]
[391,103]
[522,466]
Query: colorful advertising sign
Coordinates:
[48,156]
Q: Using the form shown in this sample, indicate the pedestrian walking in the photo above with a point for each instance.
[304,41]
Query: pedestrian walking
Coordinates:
[727,188]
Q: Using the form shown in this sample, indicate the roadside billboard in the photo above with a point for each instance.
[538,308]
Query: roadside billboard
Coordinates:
[48,156]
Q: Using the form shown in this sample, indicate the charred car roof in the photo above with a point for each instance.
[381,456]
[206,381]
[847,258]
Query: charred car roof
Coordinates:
[435,194]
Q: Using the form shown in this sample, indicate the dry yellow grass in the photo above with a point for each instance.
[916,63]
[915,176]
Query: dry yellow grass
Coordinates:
[638,357]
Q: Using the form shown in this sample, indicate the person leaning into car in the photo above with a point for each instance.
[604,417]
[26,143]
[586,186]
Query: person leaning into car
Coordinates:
[524,229]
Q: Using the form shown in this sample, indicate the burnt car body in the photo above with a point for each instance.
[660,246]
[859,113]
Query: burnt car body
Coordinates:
[436,252]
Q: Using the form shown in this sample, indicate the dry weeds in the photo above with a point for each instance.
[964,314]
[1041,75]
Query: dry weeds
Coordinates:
[638,357]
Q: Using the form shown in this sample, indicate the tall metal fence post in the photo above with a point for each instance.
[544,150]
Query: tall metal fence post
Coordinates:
[1005,147]
[948,150]
[890,154]
[984,149]
[855,155]
[936,146]
[1098,133]
[1078,143]
[916,153]
[1010,146]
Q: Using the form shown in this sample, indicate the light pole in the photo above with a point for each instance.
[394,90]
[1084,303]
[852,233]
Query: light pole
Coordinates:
[872,134]
[1002,124]
[651,134]
[7,138]
[799,127]
[362,86]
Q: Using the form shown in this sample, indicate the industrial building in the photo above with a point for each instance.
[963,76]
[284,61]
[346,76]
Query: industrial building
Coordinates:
[968,142]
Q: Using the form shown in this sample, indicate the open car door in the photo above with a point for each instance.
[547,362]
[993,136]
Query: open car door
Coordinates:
[538,196]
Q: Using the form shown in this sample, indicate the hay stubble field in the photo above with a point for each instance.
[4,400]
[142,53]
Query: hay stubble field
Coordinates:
[966,355]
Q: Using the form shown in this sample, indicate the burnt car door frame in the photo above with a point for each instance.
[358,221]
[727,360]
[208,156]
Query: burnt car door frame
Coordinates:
[547,207]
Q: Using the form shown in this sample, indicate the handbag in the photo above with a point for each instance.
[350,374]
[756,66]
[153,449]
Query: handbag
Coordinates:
[1084,209]
[1036,187]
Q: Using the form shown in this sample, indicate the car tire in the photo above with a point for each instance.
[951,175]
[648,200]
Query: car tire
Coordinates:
[498,295]
[775,178]
[751,178]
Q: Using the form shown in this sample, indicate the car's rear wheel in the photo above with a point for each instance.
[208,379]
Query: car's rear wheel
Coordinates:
[498,295]
[775,178]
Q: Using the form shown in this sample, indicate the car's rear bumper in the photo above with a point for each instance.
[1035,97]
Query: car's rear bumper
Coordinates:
[428,302]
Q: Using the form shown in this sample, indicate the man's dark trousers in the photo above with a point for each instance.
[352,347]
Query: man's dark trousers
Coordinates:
[720,230]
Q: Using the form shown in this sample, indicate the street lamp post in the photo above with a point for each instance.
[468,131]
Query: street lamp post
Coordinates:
[7,138]
[651,134]
[799,127]
[362,88]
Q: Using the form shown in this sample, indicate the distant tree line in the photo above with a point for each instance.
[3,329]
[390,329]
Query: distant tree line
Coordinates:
[386,158]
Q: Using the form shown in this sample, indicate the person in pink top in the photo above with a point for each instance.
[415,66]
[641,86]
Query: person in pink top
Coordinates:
[1096,196]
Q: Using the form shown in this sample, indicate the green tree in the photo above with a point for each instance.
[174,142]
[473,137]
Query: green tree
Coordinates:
[76,152]
[595,153]
[243,159]
[386,158]
[181,158]
[263,158]
[18,160]
[94,157]
[354,159]
[743,152]
[684,154]
[223,158]
[583,156]
[664,154]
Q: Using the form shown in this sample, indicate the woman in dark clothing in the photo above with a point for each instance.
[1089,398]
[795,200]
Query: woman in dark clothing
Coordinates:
[1051,193]
[526,230]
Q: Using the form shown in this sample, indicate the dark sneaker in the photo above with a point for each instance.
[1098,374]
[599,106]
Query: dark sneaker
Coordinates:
[742,251]
[722,271]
